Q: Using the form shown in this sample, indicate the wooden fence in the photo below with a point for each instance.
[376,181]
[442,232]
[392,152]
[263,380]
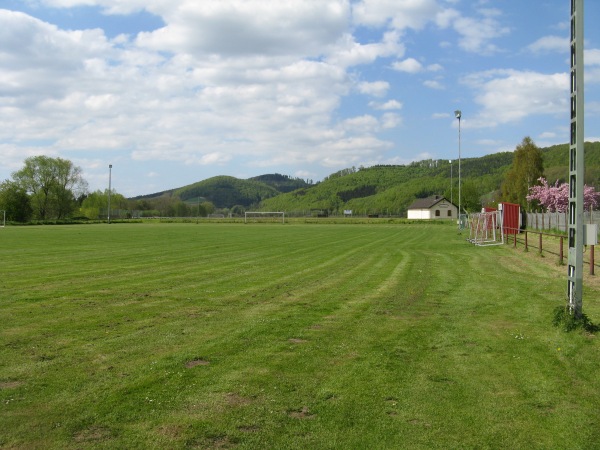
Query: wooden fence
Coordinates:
[553,244]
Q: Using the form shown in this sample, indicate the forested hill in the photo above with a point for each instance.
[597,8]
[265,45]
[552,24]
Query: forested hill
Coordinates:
[379,189]
[391,189]
[282,183]
[226,192]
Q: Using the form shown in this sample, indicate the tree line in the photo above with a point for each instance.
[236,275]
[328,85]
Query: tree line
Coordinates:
[48,189]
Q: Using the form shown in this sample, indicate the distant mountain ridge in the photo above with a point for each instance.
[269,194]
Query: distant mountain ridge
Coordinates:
[381,188]
[226,191]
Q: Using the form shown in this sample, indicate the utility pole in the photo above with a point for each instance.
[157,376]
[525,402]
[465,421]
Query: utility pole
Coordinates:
[576,162]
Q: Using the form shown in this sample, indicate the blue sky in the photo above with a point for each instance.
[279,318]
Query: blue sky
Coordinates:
[171,92]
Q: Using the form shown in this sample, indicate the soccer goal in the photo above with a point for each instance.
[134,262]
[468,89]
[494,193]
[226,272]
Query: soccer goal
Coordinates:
[486,228]
[261,216]
[3,218]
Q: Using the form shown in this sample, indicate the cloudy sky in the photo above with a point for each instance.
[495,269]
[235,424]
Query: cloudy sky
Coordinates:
[171,92]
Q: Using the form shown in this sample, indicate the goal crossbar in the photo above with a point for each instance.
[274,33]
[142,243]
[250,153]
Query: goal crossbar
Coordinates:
[262,214]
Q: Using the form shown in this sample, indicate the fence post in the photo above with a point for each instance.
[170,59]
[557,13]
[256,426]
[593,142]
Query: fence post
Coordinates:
[540,243]
[591,260]
[526,248]
[560,256]
[515,241]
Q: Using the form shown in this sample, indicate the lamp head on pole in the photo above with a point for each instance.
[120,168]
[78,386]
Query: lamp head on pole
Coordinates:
[110,166]
[457,114]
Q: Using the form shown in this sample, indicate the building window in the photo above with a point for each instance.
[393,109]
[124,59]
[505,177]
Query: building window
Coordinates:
[437,213]
[449,213]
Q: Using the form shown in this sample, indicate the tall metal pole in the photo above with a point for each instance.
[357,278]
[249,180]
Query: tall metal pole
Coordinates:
[576,165]
[451,184]
[109,188]
[458,115]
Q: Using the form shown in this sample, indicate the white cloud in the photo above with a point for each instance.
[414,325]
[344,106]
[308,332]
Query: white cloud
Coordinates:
[375,88]
[409,65]
[347,52]
[548,44]
[250,27]
[510,96]
[387,106]
[592,57]
[390,120]
[433,84]
[476,33]
[401,15]
[366,123]
[38,59]
[85,93]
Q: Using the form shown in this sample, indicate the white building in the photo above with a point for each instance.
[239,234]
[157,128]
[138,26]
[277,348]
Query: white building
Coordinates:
[434,207]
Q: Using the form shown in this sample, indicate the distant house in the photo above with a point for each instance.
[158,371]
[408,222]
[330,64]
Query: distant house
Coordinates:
[434,207]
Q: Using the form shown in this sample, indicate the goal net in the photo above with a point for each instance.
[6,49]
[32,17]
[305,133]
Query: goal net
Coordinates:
[261,216]
[486,228]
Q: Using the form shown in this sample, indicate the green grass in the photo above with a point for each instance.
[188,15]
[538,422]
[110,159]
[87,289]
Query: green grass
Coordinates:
[286,336]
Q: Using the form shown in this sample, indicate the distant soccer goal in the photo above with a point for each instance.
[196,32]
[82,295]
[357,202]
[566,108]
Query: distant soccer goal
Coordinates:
[486,228]
[3,218]
[261,216]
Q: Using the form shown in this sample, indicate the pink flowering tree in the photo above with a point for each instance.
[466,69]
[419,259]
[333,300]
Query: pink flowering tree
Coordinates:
[555,198]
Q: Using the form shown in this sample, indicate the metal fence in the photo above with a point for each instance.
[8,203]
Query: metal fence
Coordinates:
[557,221]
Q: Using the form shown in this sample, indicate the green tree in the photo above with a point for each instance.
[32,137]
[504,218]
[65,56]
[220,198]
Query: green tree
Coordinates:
[52,183]
[526,169]
[15,201]
[238,210]
[181,209]
[96,203]
[208,207]
[471,196]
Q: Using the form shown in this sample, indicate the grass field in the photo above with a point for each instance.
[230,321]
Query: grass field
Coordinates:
[287,336]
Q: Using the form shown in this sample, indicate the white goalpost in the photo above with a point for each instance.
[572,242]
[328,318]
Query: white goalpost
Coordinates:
[264,216]
[486,228]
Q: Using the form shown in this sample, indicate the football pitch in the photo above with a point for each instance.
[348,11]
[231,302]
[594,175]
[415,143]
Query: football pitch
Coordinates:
[287,336]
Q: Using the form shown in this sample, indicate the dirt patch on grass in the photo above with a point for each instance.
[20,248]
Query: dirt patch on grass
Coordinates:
[297,341]
[172,431]
[10,384]
[234,399]
[197,362]
[303,413]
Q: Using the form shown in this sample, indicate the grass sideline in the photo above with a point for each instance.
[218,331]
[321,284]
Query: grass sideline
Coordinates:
[300,336]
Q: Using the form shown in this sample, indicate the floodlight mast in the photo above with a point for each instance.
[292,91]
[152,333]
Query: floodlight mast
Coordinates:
[451,184]
[576,165]
[458,115]
[109,189]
